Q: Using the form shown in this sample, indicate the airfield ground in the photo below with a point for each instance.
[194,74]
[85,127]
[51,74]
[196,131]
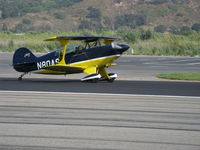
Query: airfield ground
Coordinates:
[52,112]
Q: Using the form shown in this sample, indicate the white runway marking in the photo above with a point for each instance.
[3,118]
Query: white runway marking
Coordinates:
[101,94]
[181,60]
[198,63]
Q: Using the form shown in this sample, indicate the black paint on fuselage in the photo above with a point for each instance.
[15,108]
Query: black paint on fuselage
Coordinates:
[91,53]
[73,57]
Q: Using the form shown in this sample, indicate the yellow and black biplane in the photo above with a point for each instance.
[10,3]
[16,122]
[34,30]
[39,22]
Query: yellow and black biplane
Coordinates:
[91,55]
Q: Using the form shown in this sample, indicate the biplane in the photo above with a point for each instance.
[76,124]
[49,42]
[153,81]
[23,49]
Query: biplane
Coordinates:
[79,54]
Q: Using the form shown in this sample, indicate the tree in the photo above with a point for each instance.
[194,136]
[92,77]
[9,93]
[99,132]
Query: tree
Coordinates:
[94,13]
[184,30]
[5,27]
[84,24]
[15,8]
[196,27]
[130,20]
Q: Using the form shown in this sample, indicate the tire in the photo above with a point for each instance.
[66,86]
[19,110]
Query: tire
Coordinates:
[111,80]
[20,79]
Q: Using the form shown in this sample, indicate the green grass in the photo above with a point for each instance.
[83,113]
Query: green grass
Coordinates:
[169,45]
[9,42]
[158,44]
[193,76]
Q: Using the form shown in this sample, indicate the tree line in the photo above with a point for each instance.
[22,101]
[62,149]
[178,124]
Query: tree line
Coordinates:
[16,8]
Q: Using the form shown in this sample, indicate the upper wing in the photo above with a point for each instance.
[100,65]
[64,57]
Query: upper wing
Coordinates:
[106,40]
[81,38]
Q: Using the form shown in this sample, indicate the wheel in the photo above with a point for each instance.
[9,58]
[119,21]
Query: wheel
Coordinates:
[111,80]
[20,78]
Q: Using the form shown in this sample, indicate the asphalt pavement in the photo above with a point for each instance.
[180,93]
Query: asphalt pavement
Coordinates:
[137,111]
[136,76]
[54,121]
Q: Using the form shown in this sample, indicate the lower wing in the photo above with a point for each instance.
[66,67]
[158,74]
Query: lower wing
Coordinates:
[64,68]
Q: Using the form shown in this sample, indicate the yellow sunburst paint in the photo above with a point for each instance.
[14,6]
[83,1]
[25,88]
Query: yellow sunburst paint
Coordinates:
[89,67]
[96,66]
[90,70]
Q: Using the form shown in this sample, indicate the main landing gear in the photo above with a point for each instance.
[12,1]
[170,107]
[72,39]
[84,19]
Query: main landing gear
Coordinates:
[94,78]
[21,76]
[112,76]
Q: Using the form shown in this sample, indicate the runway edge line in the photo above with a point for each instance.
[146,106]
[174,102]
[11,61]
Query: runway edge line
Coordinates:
[99,94]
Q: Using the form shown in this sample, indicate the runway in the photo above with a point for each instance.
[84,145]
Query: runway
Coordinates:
[138,111]
[118,87]
[46,121]
[136,76]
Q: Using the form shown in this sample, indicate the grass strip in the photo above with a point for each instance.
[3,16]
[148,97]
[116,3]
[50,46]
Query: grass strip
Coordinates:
[193,76]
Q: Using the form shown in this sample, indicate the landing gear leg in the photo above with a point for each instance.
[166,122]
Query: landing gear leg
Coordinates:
[21,76]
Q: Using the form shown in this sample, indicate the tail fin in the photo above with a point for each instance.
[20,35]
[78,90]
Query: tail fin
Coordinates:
[23,60]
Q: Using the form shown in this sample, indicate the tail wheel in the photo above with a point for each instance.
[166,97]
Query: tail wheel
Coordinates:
[21,76]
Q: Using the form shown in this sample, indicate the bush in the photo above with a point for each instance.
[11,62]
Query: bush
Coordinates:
[184,30]
[174,30]
[196,27]
[179,14]
[160,28]
[26,21]
[127,35]
[157,2]
[130,20]
[84,24]
[146,34]
[59,15]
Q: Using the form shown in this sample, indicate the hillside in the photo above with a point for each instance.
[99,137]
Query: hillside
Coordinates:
[72,15]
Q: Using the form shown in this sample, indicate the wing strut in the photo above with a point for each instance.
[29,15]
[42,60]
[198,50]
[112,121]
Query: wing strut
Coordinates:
[64,43]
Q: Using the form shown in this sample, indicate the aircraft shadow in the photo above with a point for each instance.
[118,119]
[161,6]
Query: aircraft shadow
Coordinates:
[44,80]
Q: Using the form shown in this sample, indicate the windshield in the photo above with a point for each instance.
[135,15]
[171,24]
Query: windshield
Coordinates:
[74,48]
[71,48]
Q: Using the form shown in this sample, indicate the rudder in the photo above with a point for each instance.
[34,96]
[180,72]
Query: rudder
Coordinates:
[23,60]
